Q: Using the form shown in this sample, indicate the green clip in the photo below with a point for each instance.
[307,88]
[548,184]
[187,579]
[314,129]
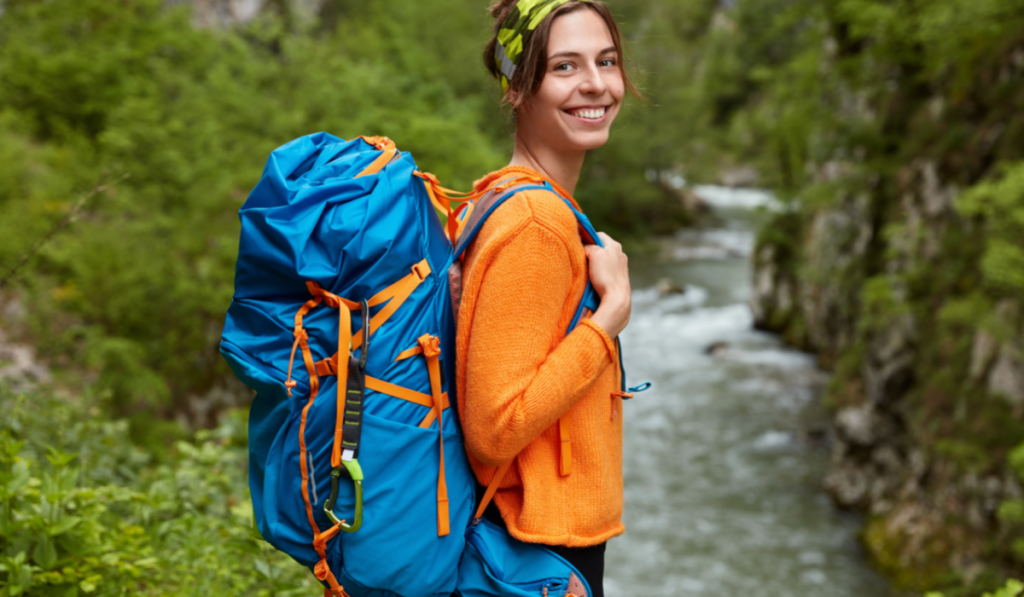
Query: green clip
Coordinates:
[355,472]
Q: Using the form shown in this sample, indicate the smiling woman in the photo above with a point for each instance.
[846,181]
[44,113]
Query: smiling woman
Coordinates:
[571,62]
[539,400]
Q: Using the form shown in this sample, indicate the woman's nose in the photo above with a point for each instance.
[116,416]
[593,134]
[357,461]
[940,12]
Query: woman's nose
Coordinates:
[593,83]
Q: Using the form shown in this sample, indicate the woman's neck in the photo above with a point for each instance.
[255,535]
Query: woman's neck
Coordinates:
[563,167]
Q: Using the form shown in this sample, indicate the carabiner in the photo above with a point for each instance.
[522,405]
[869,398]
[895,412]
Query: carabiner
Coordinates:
[355,472]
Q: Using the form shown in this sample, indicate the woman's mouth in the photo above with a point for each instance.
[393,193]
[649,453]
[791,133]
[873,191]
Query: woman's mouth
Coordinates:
[590,114]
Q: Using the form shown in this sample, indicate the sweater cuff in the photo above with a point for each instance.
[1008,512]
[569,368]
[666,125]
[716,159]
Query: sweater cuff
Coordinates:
[608,342]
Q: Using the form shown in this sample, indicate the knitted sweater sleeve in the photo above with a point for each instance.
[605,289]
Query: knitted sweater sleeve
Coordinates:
[522,373]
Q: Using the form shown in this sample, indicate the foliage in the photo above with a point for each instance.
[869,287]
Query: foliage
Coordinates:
[1013,588]
[1011,512]
[91,91]
[85,512]
[999,205]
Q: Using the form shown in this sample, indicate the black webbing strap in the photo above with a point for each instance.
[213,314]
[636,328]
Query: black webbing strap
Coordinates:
[355,393]
[355,389]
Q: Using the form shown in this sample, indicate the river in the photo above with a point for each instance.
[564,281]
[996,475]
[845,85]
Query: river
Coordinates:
[725,455]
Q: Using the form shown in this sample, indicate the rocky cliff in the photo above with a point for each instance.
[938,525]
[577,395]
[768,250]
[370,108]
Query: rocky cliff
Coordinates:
[928,390]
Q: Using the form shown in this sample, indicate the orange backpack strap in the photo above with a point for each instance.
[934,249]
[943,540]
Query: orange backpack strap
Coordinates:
[388,153]
[431,346]
[492,488]
[442,199]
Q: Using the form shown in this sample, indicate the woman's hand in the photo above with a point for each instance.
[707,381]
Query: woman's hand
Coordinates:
[609,273]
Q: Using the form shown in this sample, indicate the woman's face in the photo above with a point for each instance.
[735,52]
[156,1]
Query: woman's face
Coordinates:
[582,88]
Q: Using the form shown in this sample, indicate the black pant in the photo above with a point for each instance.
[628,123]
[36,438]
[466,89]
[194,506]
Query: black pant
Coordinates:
[588,560]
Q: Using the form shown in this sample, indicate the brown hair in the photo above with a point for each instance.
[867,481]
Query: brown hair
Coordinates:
[533,64]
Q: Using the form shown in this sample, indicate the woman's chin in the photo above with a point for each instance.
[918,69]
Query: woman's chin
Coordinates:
[590,140]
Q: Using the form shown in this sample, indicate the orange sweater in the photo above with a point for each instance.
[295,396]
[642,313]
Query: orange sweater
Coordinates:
[517,374]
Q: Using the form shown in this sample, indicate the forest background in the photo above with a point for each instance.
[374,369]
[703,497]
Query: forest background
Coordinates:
[132,131]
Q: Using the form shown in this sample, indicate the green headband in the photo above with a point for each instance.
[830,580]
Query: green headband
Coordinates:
[515,33]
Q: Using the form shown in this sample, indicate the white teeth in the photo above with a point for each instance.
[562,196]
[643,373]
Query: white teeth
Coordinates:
[590,114]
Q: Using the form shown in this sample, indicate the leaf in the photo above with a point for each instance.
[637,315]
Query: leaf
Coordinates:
[10,448]
[20,477]
[1003,264]
[1013,588]
[263,567]
[1017,461]
[46,508]
[45,553]
[147,562]
[19,574]
[91,583]
[64,526]
[1011,511]
[59,459]
[68,480]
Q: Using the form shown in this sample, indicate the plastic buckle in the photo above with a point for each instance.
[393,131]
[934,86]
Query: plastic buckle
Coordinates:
[419,274]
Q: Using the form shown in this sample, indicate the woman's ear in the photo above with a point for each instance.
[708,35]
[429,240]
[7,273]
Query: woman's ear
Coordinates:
[512,98]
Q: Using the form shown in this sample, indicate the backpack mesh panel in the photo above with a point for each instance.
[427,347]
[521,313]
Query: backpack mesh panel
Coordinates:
[575,587]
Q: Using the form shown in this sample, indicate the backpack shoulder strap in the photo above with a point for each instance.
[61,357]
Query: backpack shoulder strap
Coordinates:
[487,204]
[482,210]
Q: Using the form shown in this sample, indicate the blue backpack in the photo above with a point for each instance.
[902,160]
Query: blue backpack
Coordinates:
[343,323]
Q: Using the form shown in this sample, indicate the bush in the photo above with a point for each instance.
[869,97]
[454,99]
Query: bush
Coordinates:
[84,512]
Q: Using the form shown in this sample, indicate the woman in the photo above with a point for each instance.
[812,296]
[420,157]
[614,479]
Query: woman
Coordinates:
[561,66]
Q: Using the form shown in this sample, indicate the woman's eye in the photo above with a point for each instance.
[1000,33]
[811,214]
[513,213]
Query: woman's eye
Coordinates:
[607,62]
[563,66]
